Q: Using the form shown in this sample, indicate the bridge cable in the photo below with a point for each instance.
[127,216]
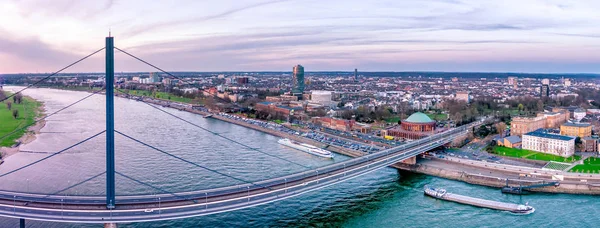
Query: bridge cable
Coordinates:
[55,73]
[161,70]
[187,161]
[189,83]
[231,140]
[80,183]
[52,155]
[224,137]
[67,188]
[154,187]
[51,114]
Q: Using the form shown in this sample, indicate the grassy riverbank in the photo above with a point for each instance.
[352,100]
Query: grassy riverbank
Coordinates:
[159,95]
[29,109]
[590,165]
[532,155]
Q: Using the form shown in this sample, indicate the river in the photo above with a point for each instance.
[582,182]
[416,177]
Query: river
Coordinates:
[385,198]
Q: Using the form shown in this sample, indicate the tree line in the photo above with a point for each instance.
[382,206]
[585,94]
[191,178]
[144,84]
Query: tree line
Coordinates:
[17,99]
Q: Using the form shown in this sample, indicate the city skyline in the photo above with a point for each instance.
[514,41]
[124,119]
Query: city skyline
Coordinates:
[465,36]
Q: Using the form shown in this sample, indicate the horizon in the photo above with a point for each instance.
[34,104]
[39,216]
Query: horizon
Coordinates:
[513,74]
[541,36]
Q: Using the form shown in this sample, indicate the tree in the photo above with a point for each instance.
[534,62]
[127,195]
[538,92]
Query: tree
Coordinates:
[540,105]
[579,144]
[18,98]
[9,105]
[501,127]
[15,113]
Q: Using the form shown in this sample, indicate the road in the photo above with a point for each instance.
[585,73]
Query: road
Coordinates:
[197,203]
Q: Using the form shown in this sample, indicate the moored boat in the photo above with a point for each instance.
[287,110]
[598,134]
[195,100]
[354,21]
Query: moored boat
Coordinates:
[306,148]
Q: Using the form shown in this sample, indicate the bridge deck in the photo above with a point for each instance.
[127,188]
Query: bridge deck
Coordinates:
[203,202]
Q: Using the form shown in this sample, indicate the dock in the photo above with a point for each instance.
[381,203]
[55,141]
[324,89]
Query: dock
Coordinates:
[520,190]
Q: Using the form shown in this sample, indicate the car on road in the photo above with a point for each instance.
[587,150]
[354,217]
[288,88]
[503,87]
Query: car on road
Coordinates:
[149,210]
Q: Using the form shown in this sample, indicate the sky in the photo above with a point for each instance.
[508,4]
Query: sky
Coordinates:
[543,36]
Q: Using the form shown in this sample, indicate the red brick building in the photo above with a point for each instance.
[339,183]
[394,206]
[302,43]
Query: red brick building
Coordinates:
[416,126]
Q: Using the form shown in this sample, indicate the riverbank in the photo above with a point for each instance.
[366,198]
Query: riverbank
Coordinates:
[468,171]
[13,130]
[496,176]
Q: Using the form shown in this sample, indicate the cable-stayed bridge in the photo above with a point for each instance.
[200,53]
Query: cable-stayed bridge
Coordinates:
[171,205]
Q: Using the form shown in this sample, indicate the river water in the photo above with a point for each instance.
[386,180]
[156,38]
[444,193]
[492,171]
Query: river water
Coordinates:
[385,198]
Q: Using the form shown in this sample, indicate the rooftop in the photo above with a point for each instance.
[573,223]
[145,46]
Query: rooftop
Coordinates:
[419,117]
[542,134]
[570,124]
[513,139]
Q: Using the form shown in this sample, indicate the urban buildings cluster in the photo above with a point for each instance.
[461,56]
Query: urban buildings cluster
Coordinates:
[366,101]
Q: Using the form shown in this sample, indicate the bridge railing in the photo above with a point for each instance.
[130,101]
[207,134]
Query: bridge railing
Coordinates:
[336,166]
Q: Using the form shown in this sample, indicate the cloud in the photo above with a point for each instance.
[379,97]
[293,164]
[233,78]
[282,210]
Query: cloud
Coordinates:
[579,35]
[150,27]
[32,49]
[32,54]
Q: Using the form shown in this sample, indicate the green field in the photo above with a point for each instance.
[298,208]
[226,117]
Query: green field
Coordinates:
[528,154]
[590,165]
[28,111]
[438,117]
[160,95]
[394,119]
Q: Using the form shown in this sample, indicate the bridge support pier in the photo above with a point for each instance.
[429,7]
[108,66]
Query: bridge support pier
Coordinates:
[110,225]
[410,161]
[22,223]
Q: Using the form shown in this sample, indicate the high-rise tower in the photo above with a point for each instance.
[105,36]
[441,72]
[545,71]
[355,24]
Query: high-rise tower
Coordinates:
[298,81]
[544,91]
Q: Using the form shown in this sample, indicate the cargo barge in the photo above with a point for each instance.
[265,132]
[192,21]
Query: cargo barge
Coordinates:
[440,193]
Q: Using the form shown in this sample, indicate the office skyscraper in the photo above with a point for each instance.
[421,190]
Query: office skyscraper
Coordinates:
[544,91]
[355,74]
[298,81]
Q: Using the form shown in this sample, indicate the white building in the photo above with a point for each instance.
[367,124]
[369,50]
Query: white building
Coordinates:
[579,114]
[322,97]
[512,81]
[463,96]
[545,81]
[541,141]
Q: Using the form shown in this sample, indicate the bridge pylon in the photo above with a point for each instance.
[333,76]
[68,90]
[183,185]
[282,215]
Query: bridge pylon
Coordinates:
[110,123]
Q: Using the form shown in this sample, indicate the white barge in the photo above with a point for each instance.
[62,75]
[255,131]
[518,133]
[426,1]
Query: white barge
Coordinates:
[440,193]
[306,148]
